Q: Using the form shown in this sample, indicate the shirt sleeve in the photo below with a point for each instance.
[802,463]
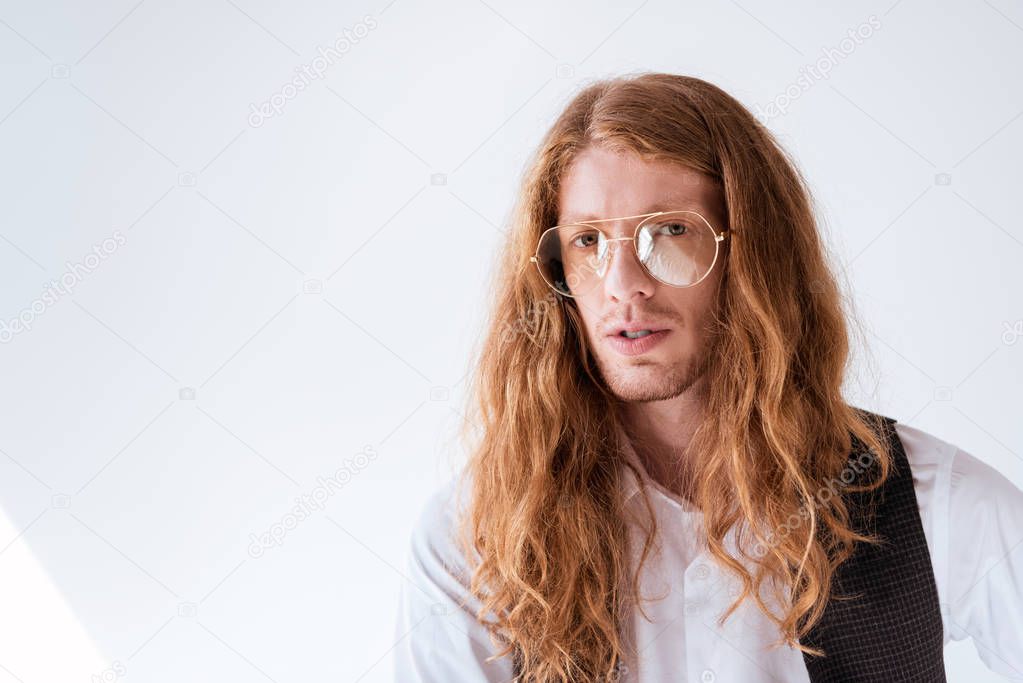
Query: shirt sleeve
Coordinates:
[439,640]
[985,570]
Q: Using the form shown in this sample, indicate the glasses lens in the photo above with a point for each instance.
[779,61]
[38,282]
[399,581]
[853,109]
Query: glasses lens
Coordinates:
[572,258]
[678,247]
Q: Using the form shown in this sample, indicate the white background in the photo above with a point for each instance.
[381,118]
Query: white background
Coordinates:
[291,293]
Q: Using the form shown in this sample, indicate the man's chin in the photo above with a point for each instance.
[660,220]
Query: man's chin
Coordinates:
[647,384]
[650,381]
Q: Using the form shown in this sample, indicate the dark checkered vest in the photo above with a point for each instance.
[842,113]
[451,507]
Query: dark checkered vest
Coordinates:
[890,628]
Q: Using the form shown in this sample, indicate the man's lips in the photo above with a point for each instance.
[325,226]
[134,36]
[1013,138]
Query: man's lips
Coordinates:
[629,346]
[617,330]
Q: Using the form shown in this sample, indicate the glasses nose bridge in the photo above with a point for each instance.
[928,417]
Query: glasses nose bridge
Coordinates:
[618,239]
[611,253]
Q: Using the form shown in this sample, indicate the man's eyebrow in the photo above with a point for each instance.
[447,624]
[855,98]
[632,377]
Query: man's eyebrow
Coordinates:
[670,205]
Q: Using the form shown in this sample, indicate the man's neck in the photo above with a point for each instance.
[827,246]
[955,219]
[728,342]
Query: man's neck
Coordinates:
[660,432]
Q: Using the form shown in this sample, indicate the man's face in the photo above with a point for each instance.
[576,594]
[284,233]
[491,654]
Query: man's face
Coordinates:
[603,184]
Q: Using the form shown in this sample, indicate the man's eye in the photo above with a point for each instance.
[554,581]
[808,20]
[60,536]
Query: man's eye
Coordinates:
[673,229]
[586,239]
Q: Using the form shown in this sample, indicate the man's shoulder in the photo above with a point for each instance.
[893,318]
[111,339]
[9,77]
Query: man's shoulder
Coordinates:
[924,448]
[948,470]
[434,538]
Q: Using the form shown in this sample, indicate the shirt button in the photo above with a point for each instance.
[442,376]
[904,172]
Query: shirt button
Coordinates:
[708,676]
[701,572]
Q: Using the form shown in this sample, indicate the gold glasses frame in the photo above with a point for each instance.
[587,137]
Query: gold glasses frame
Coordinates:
[647,217]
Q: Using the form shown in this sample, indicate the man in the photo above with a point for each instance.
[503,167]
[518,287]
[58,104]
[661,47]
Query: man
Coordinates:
[665,483]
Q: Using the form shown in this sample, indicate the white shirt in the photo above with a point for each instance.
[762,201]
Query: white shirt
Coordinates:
[972,518]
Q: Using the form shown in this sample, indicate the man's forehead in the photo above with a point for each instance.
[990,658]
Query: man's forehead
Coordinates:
[596,157]
[601,183]
[597,197]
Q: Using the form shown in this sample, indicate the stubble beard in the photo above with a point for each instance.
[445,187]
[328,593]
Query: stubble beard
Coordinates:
[641,381]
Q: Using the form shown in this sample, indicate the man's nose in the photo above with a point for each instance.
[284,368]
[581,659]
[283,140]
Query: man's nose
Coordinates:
[624,276]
